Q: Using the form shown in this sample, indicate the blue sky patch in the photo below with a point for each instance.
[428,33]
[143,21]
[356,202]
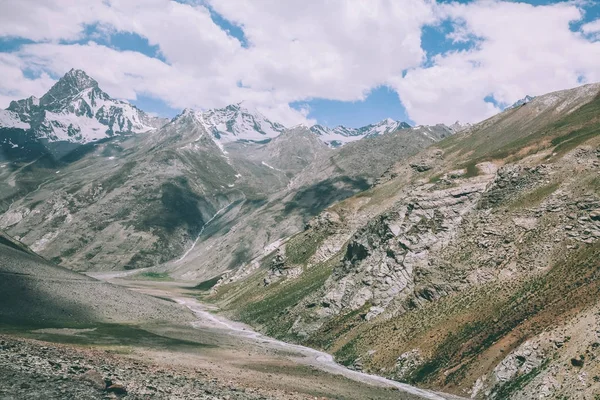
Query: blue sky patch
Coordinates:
[381,103]
[154,106]
[229,27]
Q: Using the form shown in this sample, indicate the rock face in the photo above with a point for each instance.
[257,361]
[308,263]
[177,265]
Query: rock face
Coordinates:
[236,122]
[385,262]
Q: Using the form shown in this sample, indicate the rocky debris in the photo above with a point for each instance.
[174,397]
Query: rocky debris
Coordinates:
[94,378]
[558,363]
[387,176]
[36,370]
[421,166]
[278,268]
[278,263]
[236,275]
[13,217]
[407,363]
[510,181]
[327,221]
[526,223]
[117,389]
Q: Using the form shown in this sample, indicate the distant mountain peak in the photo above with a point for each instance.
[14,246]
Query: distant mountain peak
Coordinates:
[239,122]
[76,110]
[79,78]
[341,135]
[459,126]
[521,102]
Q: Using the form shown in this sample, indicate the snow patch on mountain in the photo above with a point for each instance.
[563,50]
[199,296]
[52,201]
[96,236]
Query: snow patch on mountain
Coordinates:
[341,135]
[459,127]
[10,119]
[238,123]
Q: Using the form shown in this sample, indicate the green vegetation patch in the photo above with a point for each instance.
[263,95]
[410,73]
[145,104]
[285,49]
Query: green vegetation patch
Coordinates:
[303,246]
[271,309]
[531,306]
[471,170]
[511,387]
[155,276]
[568,142]
[535,197]
[208,284]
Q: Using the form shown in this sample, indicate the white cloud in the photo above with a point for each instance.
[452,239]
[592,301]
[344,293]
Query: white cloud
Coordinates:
[591,27]
[297,50]
[14,85]
[334,49]
[48,20]
[523,50]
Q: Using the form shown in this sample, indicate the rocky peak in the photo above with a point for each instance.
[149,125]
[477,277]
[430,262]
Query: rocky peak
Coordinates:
[72,83]
[341,135]
[238,122]
[522,101]
[459,126]
[25,107]
[76,110]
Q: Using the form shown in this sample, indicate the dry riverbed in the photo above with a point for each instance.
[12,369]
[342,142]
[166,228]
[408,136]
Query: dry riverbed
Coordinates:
[211,358]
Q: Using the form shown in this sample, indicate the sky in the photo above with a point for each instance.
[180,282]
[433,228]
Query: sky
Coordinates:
[333,62]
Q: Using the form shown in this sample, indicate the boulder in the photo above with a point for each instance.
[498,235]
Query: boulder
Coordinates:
[94,379]
[420,167]
[116,388]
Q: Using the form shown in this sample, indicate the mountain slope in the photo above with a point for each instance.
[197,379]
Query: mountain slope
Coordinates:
[33,292]
[470,267]
[143,200]
[133,201]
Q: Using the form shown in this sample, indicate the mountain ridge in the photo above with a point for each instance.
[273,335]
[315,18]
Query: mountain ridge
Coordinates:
[76,110]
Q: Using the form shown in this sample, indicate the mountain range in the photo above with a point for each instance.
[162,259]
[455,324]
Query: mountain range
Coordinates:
[153,186]
[462,259]
[76,110]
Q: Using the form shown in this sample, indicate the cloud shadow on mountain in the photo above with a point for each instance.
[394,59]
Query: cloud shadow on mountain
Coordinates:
[313,199]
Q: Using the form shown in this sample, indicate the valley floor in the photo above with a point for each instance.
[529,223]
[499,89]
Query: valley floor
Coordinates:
[213,358]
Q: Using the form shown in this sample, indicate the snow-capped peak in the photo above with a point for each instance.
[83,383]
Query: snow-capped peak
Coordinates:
[341,135]
[76,110]
[459,126]
[238,122]
[522,101]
